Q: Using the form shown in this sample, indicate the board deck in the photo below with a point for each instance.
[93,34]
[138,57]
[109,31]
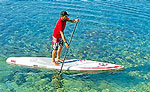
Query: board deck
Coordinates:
[69,64]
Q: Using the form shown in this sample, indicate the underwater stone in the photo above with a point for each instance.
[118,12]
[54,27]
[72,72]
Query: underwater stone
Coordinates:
[106,90]
[62,90]
[132,90]
[86,89]
[127,57]
[133,73]
[93,90]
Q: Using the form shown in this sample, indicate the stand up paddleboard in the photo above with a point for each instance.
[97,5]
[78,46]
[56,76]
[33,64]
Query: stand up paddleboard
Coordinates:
[69,64]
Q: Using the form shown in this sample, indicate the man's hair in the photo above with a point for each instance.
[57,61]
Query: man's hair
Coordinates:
[64,13]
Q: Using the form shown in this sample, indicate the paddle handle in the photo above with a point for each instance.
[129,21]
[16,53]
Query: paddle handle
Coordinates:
[68,48]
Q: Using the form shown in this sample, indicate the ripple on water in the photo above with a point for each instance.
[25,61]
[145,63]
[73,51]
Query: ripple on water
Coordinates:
[109,31]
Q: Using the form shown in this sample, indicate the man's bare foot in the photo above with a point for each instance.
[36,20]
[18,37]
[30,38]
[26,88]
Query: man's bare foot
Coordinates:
[56,64]
[60,60]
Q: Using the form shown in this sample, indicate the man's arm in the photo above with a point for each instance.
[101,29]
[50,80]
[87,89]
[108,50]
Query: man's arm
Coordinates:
[63,37]
[73,21]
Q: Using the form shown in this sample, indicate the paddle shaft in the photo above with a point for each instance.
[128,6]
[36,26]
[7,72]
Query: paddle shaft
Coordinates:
[68,48]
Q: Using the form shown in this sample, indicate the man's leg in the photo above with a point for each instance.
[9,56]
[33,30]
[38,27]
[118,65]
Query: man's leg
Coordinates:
[59,53]
[53,57]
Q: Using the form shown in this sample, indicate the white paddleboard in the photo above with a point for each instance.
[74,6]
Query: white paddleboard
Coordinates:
[69,64]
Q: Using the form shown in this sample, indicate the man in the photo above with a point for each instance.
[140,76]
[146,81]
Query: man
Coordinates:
[58,36]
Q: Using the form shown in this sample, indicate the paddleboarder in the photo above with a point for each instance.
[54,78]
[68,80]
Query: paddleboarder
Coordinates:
[58,36]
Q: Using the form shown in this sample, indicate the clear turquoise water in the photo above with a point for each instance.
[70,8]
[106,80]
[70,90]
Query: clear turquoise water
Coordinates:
[115,31]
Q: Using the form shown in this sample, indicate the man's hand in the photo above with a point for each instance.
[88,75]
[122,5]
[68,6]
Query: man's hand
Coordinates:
[73,21]
[77,20]
[66,44]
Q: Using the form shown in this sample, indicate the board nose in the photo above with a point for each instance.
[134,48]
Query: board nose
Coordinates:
[121,67]
[8,60]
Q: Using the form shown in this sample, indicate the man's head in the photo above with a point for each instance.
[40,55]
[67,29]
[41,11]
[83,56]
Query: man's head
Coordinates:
[64,15]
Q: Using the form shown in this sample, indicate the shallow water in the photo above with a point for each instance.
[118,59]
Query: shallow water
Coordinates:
[115,31]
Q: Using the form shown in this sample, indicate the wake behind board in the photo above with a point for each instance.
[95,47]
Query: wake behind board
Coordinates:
[69,64]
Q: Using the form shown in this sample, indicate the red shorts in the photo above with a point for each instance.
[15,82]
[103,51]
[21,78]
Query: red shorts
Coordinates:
[56,42]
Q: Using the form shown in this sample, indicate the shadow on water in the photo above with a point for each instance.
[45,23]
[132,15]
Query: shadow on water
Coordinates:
[57,80]
[111,79]
[45,80]
[119,77]
[37,80]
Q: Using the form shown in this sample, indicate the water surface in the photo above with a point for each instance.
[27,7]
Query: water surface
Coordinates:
[115,31]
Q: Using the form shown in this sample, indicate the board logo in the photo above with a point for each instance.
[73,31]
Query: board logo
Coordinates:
[103,64]
[13,61]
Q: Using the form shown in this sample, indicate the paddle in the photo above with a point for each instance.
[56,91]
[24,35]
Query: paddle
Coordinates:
[68,48]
